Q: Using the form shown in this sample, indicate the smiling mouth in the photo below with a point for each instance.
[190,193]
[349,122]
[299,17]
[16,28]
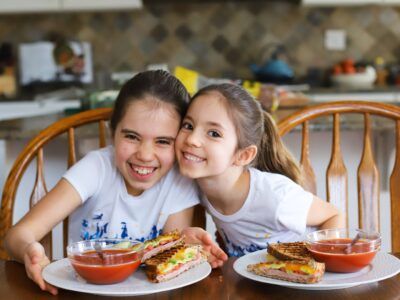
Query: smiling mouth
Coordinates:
[143,170]
[192,158]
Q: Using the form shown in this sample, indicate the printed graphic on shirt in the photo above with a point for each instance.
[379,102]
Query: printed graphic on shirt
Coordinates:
[236,250]
[96,228]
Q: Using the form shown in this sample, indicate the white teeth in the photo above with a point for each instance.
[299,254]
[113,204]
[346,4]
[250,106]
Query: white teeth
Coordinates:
[192,157]
[143,171]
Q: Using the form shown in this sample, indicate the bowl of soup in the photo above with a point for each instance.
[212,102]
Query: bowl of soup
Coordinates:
[105,261]
[344,250]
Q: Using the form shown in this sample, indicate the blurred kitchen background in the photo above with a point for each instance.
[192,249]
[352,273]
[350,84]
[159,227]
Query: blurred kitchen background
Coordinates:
[219,39]
[58,57]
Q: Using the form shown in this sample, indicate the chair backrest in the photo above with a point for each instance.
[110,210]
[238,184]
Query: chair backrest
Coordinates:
[33,150]
[368,181]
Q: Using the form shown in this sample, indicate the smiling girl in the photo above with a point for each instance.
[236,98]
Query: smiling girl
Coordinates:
[130,190]
[249,179]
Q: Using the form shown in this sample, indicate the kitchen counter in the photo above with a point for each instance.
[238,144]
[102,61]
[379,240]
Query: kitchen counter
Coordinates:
[23,109]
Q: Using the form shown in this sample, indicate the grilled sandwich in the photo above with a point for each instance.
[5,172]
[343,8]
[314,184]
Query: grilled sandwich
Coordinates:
[161,243]
[291,262]
[172,262]
[290,251]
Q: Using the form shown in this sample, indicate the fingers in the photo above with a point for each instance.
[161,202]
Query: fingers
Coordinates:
[51,289]
[35,260]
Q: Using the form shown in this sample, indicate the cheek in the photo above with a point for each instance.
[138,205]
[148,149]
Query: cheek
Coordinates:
[168,156]
[122,152]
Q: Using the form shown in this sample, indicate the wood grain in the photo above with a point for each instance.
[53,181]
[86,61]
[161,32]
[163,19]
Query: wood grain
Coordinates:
[368,173]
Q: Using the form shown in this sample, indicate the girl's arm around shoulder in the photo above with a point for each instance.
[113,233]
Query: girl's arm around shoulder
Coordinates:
[325,215]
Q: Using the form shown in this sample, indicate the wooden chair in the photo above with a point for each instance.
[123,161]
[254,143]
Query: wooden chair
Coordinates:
[34,150]
[368,181]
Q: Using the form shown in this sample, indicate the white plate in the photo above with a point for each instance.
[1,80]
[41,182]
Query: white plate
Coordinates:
[383,266]
[61,274]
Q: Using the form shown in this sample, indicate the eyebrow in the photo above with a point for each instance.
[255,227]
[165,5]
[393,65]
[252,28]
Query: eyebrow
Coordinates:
[124,130]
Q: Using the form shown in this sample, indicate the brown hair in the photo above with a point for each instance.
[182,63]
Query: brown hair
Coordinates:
[159,84]
[256,127]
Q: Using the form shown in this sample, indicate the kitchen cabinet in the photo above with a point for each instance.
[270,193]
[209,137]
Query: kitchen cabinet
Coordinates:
[27,6]
[79,5]
[348,2]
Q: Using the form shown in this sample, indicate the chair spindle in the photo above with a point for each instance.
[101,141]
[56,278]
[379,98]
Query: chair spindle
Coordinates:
[336,174]
[310,181]
[368,184]
[395,194]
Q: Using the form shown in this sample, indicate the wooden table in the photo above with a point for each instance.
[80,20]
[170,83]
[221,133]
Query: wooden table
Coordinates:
[222,283]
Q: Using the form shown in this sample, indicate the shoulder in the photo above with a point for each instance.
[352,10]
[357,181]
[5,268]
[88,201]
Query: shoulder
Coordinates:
[174,176]
[273,183]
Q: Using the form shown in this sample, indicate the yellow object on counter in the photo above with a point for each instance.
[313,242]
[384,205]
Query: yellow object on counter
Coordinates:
[189,79]
[253,87]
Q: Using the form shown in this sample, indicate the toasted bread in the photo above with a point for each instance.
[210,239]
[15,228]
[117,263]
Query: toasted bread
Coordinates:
[293,271]
[290,251]
[161,243]
[172,262]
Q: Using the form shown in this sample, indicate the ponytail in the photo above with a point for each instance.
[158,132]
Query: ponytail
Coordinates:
[273,156]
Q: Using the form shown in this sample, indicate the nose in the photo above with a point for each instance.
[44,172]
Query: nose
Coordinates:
[145,152]
[193,139]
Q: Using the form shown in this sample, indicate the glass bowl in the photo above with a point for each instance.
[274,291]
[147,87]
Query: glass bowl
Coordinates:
[105,261]
[334,247]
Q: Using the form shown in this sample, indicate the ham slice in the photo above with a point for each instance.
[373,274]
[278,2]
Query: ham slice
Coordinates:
[160,248]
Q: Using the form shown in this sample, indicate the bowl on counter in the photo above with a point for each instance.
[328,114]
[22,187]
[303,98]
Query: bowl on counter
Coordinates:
[105,261]
[364,80]
[340,251]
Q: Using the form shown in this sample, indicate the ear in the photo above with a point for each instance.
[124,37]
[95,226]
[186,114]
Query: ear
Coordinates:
[245,156]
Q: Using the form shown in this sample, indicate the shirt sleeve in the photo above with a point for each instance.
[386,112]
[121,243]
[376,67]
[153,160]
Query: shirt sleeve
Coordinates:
[293,207]
[86,175]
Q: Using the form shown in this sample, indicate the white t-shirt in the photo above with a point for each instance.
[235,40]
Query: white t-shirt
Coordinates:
[275,210]
[108,211]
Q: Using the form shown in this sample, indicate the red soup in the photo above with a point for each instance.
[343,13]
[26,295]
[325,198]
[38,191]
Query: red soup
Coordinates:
[106,267]
[332,253]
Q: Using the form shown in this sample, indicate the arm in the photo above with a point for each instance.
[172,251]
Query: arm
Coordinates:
[196,235]
[22,239]
[325,215]
[179,220]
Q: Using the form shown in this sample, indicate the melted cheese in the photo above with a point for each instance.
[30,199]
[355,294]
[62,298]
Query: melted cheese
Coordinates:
[178,258]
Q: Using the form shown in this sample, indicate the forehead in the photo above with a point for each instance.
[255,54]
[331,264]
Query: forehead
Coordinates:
[150,114]
[210,105]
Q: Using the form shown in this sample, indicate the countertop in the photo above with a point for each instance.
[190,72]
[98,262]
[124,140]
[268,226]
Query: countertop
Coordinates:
[24,119]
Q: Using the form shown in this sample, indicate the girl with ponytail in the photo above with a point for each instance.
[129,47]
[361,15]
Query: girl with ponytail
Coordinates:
[249,180]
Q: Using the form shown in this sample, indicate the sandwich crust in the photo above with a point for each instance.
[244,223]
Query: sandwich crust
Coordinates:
[172,262]
[291,262]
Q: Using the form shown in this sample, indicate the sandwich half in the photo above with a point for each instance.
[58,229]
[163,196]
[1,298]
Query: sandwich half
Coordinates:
[290,270]
[290,251]
[161,243]
[172,262]
[291,262]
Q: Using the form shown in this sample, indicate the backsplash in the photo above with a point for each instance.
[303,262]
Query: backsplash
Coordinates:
[217,39]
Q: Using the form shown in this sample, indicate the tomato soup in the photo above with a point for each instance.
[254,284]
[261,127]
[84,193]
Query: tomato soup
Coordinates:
[107,266]
[332,253]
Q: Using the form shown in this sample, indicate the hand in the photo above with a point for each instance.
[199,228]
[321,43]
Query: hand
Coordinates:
[35,260]
[197,235]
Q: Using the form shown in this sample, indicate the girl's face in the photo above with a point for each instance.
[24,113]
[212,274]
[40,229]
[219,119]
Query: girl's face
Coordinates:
[144,143]
[207,140]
